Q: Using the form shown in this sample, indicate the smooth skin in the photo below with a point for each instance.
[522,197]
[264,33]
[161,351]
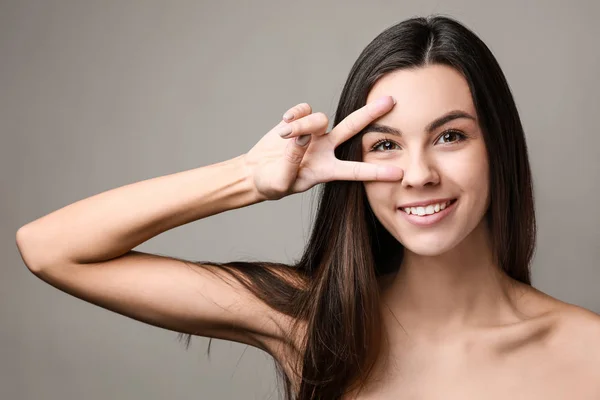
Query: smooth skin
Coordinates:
[86,248]
[457,328]
[281,168]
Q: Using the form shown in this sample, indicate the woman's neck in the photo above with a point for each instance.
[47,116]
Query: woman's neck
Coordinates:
[434,297]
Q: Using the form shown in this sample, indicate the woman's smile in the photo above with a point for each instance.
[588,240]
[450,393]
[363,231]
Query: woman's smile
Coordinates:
[430,215]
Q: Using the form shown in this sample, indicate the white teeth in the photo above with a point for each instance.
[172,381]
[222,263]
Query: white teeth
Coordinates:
[430,209]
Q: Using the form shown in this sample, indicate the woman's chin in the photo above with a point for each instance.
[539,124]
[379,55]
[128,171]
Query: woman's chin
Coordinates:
[427,248]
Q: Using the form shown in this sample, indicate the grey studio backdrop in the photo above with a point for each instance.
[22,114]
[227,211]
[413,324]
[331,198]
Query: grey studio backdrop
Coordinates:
[98,94]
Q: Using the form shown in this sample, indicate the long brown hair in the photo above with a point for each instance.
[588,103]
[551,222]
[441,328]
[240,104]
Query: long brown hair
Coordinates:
[349,249]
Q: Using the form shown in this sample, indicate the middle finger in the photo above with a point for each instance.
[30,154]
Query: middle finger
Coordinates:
[315,124]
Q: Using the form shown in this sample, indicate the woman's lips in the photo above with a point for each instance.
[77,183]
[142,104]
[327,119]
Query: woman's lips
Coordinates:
[428,220]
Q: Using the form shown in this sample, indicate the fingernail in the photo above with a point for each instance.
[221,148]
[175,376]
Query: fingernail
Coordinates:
[288,116]
[303,140]
[285,130]
[384,100]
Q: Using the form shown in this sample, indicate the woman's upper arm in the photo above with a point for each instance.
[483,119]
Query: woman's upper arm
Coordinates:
[175,295]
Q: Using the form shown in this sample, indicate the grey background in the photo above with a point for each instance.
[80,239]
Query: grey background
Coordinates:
[98,94]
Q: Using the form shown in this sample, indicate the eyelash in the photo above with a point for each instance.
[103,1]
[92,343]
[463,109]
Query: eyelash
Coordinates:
[461,137]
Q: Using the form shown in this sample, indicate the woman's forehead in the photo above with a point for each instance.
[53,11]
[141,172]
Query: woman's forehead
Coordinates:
[424,93]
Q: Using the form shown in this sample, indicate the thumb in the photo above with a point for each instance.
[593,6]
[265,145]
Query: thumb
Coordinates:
[295,150]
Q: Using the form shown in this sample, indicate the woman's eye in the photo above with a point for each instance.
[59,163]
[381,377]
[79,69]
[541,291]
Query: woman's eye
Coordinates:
[386,145]
[448,135]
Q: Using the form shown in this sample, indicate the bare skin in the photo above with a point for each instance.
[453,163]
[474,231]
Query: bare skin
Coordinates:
[456,327]
[551,351]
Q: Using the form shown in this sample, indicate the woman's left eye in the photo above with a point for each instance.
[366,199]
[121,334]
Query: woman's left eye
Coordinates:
[449,134]
[383,141]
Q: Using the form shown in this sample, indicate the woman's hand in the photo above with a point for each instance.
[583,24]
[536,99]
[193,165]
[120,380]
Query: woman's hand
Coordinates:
[286,164]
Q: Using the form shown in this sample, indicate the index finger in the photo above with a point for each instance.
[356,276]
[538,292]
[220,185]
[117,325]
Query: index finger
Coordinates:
[363,171]
[360,118]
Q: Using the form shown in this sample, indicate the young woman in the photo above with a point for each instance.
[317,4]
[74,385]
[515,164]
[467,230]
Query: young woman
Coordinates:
[415,282]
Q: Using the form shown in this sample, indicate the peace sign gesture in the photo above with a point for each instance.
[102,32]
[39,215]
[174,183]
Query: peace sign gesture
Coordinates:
[298,153]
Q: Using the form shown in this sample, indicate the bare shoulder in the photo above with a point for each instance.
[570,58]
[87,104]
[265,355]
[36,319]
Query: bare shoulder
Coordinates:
[583,320]
[580,327]
[571,354]
[570,320]
[575,329]
[576,344]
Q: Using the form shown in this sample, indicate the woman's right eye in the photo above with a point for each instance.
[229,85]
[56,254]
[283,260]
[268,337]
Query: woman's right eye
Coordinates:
[383,141]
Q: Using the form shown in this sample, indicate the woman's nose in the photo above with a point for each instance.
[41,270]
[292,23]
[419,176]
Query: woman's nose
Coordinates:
[419,171]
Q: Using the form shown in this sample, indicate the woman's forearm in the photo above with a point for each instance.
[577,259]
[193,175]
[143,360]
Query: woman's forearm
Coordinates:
[109,224]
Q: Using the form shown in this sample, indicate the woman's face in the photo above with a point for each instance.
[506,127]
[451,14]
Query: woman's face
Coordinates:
[446,160]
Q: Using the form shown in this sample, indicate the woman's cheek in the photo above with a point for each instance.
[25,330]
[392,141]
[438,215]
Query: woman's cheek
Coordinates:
[379,194]
[469,166]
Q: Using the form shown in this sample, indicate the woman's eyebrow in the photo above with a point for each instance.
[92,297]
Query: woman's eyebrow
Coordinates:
[444,119]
